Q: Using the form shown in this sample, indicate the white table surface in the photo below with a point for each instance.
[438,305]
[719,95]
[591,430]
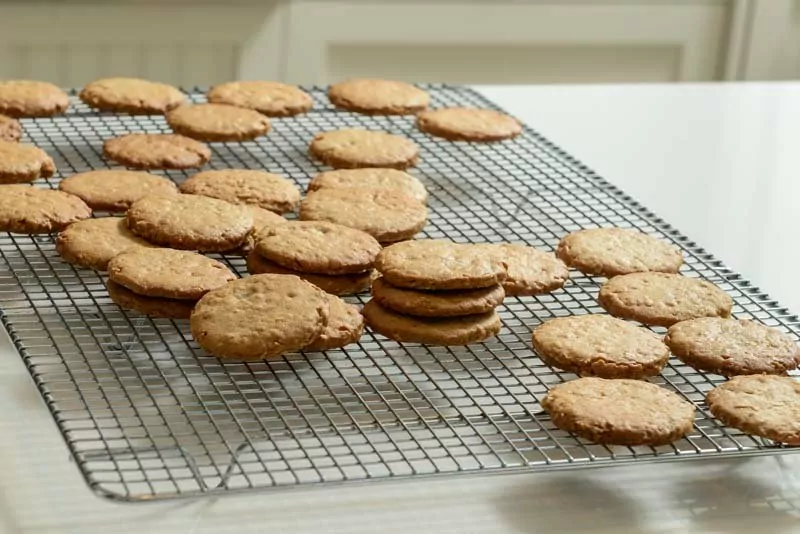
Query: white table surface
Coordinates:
[721,162]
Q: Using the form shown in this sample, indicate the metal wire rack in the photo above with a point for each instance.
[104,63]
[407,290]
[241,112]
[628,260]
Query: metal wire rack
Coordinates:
[147,415]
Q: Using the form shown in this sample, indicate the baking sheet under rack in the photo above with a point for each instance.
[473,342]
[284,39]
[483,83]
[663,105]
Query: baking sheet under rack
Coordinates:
[147,415]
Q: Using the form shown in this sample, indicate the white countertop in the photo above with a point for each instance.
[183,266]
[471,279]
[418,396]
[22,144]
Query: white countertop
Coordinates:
[721,162]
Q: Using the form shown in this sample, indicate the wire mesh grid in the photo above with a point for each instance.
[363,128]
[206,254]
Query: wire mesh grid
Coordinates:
[147,415]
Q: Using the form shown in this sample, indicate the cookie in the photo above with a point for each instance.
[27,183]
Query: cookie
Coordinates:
[761,405]
[131,95]
[25,209]
[261,316]
[318,247]
[437,264]
[346,284]
[372,179]
[387,215]
[731,347]
[190,222]
[355,149]
[272,99]
[151,306]
[26,98]
[23,163]
[468,124]
[156,151]
[345,326]
[445,331]
[261,219]
[614,251]
[10,129]
[217,122]
[115,190]
[92,243]
[530,271]
[244,186]
[619,412]
[168,273]
[378,97]
[663,299]
[599,345]
[437,303]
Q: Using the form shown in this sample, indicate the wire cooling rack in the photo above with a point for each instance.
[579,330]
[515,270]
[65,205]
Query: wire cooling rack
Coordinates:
[147,415]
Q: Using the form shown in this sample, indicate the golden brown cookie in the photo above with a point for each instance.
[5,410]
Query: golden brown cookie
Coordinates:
[10,129]
[345,325]
[23,163]
[345,284]
[168,273]
[152,306]
[25,209]
[530,271]
[371,179]
[131,95]
[437,303]
[115,189]
[244,186]
[26,98]
[468,124]
[261,219]
[156,151]
[732,347]
[762,405]
[261,316]
[378,97]
[663,299]
[387,215]
[218,122]
[614,251]
[599,345]
[92,243]
[355,149]
[273,99]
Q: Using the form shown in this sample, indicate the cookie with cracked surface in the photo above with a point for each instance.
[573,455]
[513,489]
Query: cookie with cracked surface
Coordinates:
[732,347]
[27,98]
[190,222]
[151,306]
[356,148]
[92,243]
[115,190]
[244,186]
[599,345]
[272,99]
[469,124]
[761,405]
[619,412]
[343,284]
[261,316]
[614,251]
[21,163]
[156,151]
[530,271]
[378,97]
[387,215]
[218,122]
[10,129]
[131,95]
[26,209]
[453,303]
[373,178]
[345,326]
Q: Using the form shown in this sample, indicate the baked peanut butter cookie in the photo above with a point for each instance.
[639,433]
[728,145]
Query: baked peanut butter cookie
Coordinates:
[378,97]
[355,149]
[151,306]
[272,99]
[530,271]
[454,303]
[92,243]
[131,95]
[26,209]
[10,129]
[115,190]
[372,179]
[244,186]
[27,98]
[343,284]
[345,325]
[21,163]
[218,122]
[468,124]
[156,151]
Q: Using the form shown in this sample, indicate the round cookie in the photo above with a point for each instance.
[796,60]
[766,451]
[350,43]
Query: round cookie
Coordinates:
[23,163]
[25,209]
[614,251]
[156,151]
[378,97]
[10,129]
[244,186]
[272,99]
[190,222]
[663,299]
[469,124]
[731,347]
[318,247]
[530,271]
[151,306]
[346,284]
[437,303]
[345,325]
[599,345]
[261,219]
[115,190]
[26,98]
[168,273]
[387,215]
[438,264]
[218,122]
[356,148]
[92,243]
[762,405]
[447,331]
[131,95]
[259,317]
[619,412]
[371,178]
